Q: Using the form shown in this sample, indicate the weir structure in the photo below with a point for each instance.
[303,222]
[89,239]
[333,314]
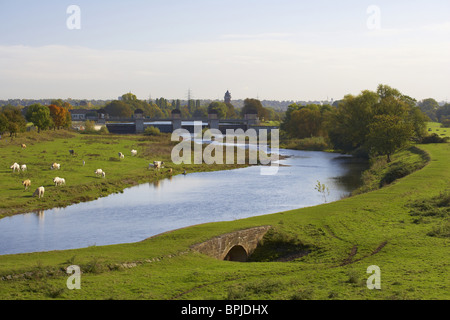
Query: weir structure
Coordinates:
[138,123]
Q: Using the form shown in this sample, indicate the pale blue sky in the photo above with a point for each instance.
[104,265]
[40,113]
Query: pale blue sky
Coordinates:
[282,50]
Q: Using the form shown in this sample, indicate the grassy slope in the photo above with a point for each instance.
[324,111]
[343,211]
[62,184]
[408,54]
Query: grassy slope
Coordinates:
[413,265]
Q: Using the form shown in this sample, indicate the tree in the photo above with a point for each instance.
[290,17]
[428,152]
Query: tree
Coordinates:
[119,109]
[3,123]
[443,113]
[219,107]
[11,120]
[352,127]
[231,112]
[201,113]
[254,106]
[387,134]
[429,107]
[59,116]
[303,121]
[39,115]
[129,97]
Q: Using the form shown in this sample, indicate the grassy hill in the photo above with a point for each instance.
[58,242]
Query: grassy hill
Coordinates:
[403,228]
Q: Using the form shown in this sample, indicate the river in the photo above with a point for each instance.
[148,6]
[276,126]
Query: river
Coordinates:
[150,209]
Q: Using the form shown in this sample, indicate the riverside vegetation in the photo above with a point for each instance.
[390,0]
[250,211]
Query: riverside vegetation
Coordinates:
[319,252]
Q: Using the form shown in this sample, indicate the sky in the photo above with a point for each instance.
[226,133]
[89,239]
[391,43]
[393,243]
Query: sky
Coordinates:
[271,50]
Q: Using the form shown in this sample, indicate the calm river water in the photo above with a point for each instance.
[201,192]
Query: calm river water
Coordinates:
[150,209]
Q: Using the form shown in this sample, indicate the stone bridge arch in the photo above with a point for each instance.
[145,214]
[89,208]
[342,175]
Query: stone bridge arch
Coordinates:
[234,246]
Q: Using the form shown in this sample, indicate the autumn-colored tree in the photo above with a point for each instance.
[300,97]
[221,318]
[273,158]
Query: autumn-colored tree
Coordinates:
[59,116]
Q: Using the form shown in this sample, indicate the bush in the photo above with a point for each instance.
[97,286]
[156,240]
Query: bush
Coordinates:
[152,131]
[397,171]
[441,231]
[103,130]
[308,144]
[434,138]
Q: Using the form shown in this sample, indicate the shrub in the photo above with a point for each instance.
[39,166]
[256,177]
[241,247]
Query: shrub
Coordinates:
[442,230]
[152,131]
[434,138]
[397,171]
[303,294]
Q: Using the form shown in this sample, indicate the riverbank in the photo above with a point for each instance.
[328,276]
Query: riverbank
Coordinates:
[343,238]
[91,152]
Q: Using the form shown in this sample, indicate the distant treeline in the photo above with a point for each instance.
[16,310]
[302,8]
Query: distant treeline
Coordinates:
[95,104]
[14,119]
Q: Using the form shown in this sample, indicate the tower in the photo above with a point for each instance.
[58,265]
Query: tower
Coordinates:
[228,97]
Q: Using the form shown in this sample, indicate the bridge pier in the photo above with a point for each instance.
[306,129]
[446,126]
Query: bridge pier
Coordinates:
[139,120]
[213,120]
[176,119]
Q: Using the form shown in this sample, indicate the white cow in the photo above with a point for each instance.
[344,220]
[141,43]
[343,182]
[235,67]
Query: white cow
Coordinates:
[59,181]
[39,192]
[15,167]
[56,166]
[133,152]
[121,155]
[158,164]
[26,183]
[23,167]
[98,172]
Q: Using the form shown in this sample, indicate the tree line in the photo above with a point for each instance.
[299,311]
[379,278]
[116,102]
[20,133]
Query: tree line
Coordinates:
[161,108]
[369,124]
[54,116]
[13,119]
[435,112]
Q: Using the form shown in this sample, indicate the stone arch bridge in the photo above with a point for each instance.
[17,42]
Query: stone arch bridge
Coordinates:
[234,246]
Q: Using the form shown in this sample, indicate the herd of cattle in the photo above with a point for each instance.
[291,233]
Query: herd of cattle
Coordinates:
[61,181]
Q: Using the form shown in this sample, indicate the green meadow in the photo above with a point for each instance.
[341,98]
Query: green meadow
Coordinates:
[92,152]
[435,127]
[402,227]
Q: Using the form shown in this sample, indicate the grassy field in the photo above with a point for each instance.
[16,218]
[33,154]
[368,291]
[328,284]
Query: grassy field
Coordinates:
[97,152]
[403,228]
[435,127]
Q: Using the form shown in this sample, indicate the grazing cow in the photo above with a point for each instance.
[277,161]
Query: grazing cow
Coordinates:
[23,167]
[59,181]
[24,146]
[72,152]
[98,172]
[55,166]
[103,174]
[39,192]
[158,164]
[15,167]
[121,155]
[26,183]
[133,152]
